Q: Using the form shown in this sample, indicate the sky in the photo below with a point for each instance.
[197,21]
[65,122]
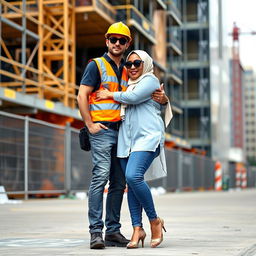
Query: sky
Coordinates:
[243,12]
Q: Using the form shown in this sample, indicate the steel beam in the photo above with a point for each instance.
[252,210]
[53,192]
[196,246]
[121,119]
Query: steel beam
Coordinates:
[20,28]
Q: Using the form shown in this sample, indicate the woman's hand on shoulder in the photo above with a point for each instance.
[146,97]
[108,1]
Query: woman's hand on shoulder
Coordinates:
[104,94]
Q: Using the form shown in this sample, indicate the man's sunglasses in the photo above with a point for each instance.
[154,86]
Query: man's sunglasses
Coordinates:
[136,63]
[121,40]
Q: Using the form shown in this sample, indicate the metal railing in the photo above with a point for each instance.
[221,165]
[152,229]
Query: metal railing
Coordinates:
[197,56]
[129,12]
[175,71]
[202,19]
[31,6]
[102,5]
[20,75]
[171,7]
[173,37]
[42,159]
[195,97]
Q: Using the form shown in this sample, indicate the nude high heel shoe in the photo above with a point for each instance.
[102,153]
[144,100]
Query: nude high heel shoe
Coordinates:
[155,242]
[135,244]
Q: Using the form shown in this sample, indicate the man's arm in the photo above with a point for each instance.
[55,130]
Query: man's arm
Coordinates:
[159,95]
[83,103]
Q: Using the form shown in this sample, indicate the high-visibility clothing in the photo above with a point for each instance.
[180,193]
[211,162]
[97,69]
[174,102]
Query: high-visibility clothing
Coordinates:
[107,110]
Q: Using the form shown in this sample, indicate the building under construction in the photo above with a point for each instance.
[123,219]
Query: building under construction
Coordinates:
[46,44]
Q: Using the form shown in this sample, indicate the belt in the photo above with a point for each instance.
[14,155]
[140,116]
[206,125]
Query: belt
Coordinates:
[112,125]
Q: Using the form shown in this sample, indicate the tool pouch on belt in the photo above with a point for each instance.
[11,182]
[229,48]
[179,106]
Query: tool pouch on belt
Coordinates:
[84,139]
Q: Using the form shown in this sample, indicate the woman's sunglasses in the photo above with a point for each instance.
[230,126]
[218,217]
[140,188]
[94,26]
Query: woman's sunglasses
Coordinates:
[136,63]
[121,40]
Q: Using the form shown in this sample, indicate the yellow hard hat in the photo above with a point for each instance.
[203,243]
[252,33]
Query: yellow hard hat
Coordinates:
[119,28]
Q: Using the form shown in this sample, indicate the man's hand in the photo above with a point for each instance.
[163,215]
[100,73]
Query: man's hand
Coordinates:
[159,95]
[96,127]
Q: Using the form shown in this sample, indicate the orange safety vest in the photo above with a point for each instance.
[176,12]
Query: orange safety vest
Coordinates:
[107,110]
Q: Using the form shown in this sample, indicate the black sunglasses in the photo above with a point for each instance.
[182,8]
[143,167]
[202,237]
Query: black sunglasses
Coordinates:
[136,63]
[121,40]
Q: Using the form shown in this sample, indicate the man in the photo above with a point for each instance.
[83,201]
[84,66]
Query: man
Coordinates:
[102,119]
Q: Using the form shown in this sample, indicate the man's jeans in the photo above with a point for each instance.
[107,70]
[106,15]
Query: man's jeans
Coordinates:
[139,194]
[105,167]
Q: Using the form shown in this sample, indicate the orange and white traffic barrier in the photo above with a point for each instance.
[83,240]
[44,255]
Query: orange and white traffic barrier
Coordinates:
[218,176]
[243,178]
[238,175]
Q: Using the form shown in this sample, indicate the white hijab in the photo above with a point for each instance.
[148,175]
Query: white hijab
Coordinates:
[148,69]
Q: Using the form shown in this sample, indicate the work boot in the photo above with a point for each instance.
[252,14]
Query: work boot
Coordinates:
[97,241]
[116,240]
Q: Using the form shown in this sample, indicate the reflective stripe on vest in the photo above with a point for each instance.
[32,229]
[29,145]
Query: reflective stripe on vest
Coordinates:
[107,110]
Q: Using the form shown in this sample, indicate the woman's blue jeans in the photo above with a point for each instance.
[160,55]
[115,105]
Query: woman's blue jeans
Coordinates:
[139,194]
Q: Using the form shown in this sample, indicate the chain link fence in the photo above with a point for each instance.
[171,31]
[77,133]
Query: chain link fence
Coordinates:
[42,159]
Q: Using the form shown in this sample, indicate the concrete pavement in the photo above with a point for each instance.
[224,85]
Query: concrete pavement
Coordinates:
[197,223]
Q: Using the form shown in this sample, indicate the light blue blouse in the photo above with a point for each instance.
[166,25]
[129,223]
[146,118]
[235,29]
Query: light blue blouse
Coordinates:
[143,127]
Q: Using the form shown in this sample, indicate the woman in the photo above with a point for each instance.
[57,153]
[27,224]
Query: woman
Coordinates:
[140,139]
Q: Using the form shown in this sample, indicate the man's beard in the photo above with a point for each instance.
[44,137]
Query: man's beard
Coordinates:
[116,54]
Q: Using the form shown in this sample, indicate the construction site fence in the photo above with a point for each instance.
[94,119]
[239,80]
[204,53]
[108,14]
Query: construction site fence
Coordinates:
[40,159]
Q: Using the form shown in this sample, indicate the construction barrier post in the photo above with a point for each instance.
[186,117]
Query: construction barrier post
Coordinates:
[243,178]
[218,176]
[238,175]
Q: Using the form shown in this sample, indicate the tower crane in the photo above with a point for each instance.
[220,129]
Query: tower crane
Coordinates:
[236,32]
[237,91]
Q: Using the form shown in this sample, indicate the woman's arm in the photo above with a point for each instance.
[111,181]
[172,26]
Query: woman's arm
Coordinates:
[135,96]
[140,93]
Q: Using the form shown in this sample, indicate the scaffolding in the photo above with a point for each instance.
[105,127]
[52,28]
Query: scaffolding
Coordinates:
[37,51]
[38,66]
